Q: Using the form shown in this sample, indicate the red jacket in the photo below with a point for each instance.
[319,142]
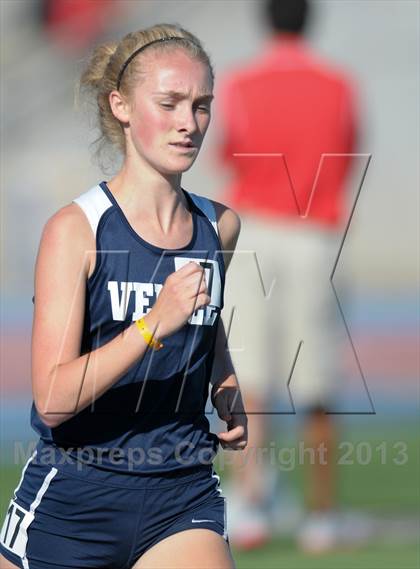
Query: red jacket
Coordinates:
[288,102]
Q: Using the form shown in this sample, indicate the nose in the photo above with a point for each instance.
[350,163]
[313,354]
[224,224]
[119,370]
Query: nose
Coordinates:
[186,120]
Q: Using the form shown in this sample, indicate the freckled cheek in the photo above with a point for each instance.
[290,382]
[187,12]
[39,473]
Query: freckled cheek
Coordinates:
[151,128]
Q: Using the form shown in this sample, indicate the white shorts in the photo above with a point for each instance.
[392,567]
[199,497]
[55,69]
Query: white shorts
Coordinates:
[278,293]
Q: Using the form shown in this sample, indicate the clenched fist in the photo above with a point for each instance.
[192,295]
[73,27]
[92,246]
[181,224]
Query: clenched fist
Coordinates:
[183,292]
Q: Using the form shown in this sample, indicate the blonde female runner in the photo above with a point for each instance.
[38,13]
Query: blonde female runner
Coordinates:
[127,337]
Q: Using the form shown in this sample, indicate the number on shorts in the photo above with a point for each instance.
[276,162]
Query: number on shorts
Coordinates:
[13,533]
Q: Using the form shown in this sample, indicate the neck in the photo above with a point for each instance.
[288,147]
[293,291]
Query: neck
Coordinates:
[143,192]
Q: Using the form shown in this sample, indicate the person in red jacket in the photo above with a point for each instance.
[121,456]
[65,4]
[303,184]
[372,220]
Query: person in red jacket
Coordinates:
[288,122]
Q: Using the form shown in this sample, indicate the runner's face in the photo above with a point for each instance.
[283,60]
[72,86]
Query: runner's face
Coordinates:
[171,110]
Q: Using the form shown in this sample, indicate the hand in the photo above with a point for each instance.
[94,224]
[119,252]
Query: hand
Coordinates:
[183,292]
[228,402]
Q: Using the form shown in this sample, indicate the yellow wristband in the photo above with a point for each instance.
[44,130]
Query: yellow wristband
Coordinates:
[147,335]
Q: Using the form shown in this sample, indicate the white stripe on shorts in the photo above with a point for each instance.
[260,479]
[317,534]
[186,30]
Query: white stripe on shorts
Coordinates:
[30,459]
[43,489]
[37,501]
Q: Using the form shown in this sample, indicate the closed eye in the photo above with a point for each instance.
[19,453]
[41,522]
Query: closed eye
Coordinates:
[203,108]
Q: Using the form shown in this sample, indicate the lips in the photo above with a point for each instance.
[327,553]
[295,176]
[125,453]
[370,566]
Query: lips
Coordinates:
[184,144]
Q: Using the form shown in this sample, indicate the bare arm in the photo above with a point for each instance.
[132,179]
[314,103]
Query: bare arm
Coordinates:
[226,395]
[229,228]
[63,381]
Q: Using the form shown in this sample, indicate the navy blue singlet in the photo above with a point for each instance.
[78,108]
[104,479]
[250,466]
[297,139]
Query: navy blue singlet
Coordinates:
[152,420]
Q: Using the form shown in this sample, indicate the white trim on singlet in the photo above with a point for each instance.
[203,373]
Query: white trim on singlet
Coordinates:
[207,208]
[94,203]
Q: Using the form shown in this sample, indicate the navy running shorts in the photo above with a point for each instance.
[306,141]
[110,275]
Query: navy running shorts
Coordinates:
[102,520]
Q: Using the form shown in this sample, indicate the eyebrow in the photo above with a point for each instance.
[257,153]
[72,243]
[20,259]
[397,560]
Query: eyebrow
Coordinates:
[179,95]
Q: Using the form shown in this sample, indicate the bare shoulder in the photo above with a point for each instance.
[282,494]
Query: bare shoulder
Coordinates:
[68,230]
[69,222]
[229,224]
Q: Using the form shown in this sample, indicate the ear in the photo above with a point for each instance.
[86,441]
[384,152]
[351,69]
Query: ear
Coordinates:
[119,106]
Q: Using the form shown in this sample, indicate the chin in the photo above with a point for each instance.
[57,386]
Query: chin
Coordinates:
[177,166]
